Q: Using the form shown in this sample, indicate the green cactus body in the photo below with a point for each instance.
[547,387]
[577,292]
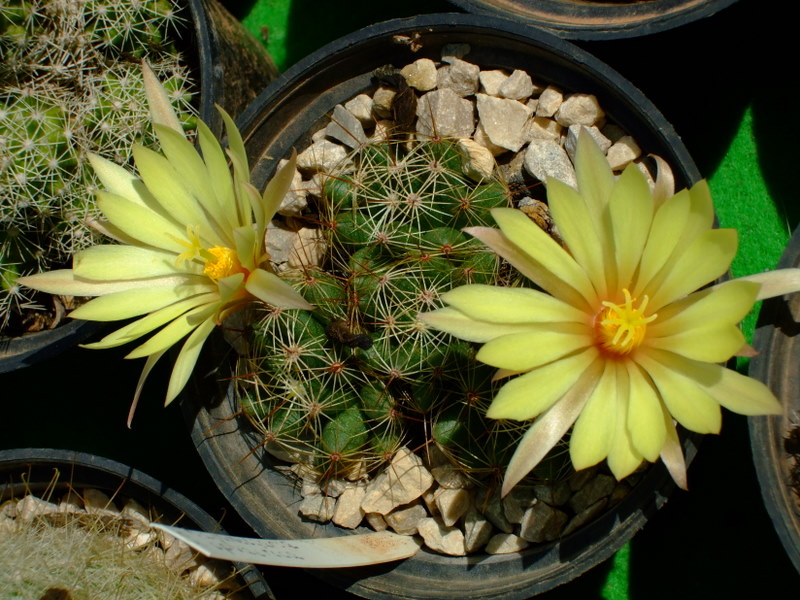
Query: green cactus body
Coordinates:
[342,388]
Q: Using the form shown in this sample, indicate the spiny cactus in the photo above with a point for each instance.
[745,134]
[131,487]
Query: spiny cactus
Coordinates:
[71,84]
[340,389]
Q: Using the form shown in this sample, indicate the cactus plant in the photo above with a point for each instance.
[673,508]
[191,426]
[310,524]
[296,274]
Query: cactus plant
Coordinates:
[70,86]
[340,389]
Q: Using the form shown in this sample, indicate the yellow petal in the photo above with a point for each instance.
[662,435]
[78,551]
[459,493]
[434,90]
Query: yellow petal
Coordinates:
[543,249]
[510,305]
[148,366]
[524,351]
[132,303]
[150,322]
[645,420]
[743,395]
[271,289]
[220,175]
[115,262]
[161,110]
[623,458]
[247,246]
[726,303]
[709,256]
[276,190]
[631,210]
[529,267]
[683,394]
[187,358]
[577,229]
[775,283]
[590,441]
[141,223]
[549,428]
[528,395]
[456,323]
[174,331]
[64,281]
[115,179]
[594,176]
[715,343]
[672,454]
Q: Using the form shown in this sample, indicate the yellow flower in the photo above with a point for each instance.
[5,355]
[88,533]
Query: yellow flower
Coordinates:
[619,344]
[192,244]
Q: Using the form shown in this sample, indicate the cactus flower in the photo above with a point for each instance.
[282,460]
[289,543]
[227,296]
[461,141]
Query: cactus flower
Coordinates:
[191,245]
[619,344]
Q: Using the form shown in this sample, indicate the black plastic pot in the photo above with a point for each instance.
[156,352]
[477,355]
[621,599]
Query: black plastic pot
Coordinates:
[283,117]
[599,19]
[232,68]
[778,344]
[47,472]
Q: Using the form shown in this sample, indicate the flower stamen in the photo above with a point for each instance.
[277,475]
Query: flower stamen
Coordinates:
[222,263]
[621,328]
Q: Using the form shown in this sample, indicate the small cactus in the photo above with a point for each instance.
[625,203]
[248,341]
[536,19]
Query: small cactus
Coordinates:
[340,389]
[72,85]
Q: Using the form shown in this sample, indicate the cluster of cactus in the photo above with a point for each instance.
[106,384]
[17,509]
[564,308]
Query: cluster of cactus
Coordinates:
[341,388]
[70,83]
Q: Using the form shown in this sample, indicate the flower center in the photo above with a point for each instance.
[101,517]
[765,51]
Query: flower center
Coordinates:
[620,328]
[222,263]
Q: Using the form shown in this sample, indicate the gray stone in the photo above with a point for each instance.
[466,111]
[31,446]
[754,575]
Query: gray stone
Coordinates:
[318,508]
[377,522]
[382,102]
[460,76]
[505,543]
[478,164]
[549,102]
[421,74]
[322,156]
[308,248]
[491,81]
[454,51]
[554,493]
[444,113]
[598,487]
[622,152]
[403,481]
[481,138]
[442,539]
[516,502]
[546,158]
[405,519]
[586,515]
[361,108]
[580,109]
[573,132]
[451,504]
[580,478]
[346,128]
[518,86]
[492,508]
[477,530]
[542,128]
[503,121]
[542,523]
[279,243]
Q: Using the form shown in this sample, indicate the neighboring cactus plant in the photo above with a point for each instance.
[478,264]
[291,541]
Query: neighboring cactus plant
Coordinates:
[71,84]
[340,389]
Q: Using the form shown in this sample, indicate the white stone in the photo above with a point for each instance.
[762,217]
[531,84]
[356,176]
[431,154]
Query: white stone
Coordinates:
[573,132]
[459,76]
[7,525]
[443,113]
[137,540]
[294,202]
[421,74]
[71,503]
[549,102]
[478,164]
[503,121]
[30,507]
[322,156]
[377,522]
[546,158]
[346,128]
[203,576]
[442,539]
[542,128]
[491,81]
[308,248]
[623,152]
[318,508]
[580,109]
[505,543]
[518,86]
[405,519]
[361,108]
[481,138]
[477,531]
[348,511]
[180,556]
[452,504]
[382,102]
[98,503]
[279,243]
[136,512]
[403,481]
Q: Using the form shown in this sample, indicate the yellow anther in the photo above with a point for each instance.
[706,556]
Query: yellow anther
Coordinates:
[621,327]
[222,263]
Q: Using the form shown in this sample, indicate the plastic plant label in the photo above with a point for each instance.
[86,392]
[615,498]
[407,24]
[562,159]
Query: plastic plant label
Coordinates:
[317,553]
